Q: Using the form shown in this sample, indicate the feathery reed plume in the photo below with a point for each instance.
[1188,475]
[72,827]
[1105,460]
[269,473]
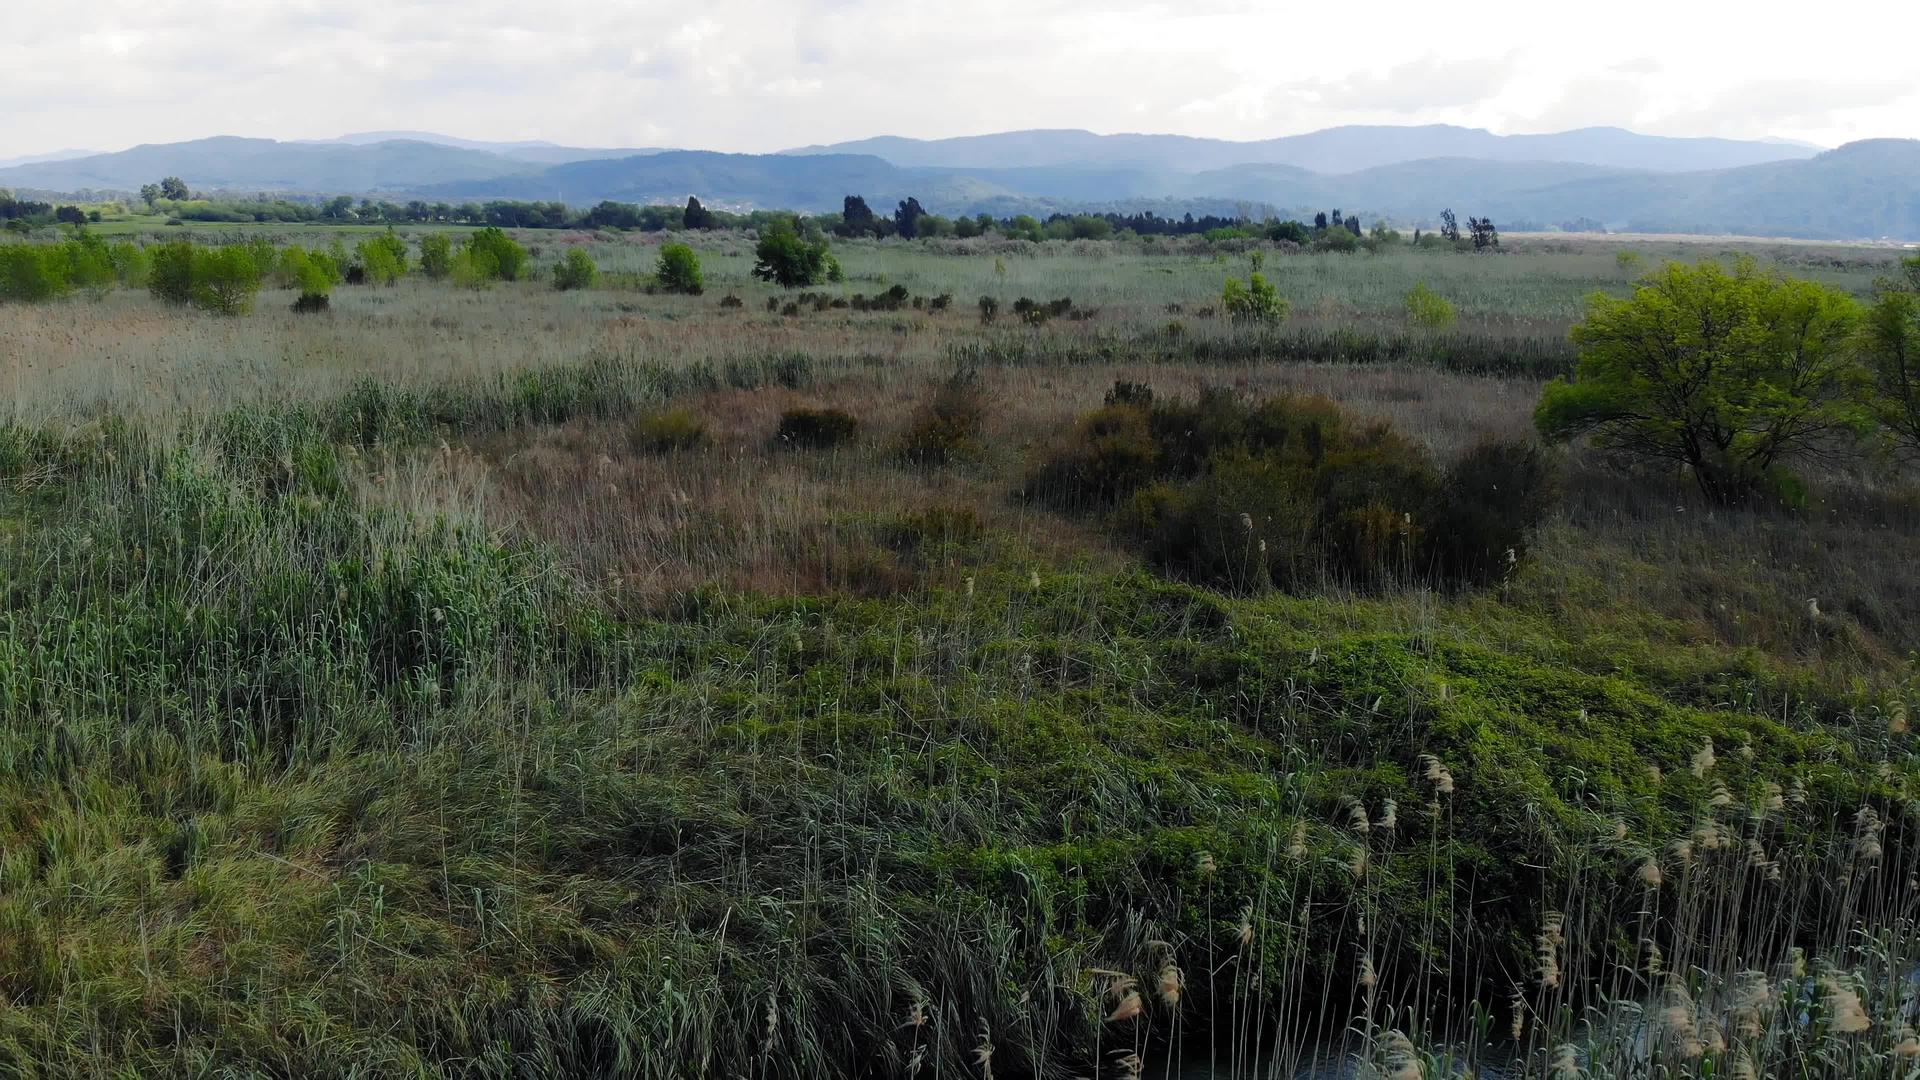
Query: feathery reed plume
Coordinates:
[1357,862]
[1650,875]
[1437,774]
[1772,801]
[1797,794]
[1703,759]
[1743,1066]
[1119,983]
[1619,829]
[1356,815]
[1906,1044]
[1677,1018]
[1656,960]
[1654,775]
[1753,998]
[1205,863]
[1129,1065]
[1720,796]
[1389,816]
[1172,980]
[983,1052]
[1368,977]
[1867,826]
[1547,948]
[1897,719]
[1245,931]
[1757,858]
[1297,846]
[1844,1011]
[1519,1007]
[1402,1059]
[1566,1063]
[1130,1006]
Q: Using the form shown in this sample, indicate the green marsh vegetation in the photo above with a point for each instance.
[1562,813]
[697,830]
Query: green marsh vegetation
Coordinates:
[610,682]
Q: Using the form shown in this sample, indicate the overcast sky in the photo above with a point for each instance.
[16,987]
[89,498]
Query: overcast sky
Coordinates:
[764,75]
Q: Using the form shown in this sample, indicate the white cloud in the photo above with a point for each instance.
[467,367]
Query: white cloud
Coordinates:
[761,75]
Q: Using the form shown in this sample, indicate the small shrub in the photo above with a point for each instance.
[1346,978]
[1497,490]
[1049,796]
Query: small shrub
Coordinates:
[1428,308]
[1254,301]
[941,302]
[575,270]
[667,431]
[947,427]
[989,309]
[678,270]
[436,255]
[383,258]
[495,256]
[1126,392]
[732,301]
[225,280]
[816,429]
[311,303]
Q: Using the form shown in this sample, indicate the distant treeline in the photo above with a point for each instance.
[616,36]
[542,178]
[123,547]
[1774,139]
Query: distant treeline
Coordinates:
[909,220]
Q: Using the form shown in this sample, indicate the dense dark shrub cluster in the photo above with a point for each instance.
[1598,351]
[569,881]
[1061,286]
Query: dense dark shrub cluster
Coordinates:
[667,431]
[1291,491]
[947,427]
[1034,312]
[816,429]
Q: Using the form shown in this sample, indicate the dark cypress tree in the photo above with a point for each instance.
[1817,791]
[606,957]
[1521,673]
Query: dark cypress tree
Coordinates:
[856,217]
[907,217]
[697,216]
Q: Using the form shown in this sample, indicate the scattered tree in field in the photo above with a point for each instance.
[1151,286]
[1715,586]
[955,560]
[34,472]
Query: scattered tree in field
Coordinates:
[1484,235]
[70,215]
[174,188]
[1254,301]
[225,280]
[575,271]
[906,218]
[1449,227]
[696,216]
[1320,221]
[1733,375]
[678,270]
[790,260]
[436,255]
[150,194]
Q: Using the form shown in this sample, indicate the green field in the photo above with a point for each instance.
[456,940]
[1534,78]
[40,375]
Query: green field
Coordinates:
[477,683]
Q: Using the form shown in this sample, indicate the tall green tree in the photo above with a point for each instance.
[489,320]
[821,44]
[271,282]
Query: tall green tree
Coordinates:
[790,260]
[1733,374]
[1891,340]
[174,188]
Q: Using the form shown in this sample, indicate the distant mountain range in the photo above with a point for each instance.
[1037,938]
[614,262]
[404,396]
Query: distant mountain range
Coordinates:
[1623,180]
[1334,150]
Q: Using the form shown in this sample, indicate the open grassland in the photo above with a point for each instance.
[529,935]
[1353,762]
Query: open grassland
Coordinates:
[476,684]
